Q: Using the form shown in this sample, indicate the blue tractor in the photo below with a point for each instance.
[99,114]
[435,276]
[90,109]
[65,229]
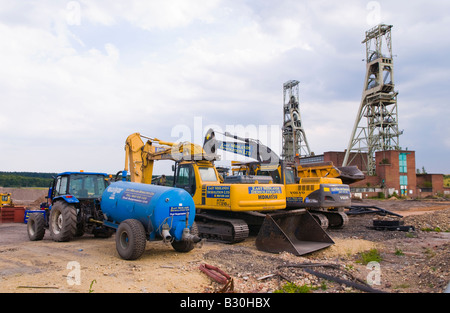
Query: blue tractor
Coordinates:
[72,208]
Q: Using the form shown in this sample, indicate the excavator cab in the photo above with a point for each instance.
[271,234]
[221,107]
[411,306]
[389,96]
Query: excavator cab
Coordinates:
[184,178]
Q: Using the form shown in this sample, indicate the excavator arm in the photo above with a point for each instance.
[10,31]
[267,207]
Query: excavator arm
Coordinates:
[136,162]
[243,146]
[266,159]
[140,156]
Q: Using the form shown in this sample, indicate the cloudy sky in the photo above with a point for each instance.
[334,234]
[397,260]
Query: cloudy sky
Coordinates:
[77,77]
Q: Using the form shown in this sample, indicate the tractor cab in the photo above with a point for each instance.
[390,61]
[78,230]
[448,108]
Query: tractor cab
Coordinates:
[78,185]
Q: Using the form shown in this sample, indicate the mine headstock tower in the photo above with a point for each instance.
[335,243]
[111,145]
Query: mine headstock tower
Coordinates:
[376,125]
[294,138]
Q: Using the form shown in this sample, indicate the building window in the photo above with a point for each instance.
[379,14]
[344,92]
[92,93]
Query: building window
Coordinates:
[402,163]
[403,185]
[403,180]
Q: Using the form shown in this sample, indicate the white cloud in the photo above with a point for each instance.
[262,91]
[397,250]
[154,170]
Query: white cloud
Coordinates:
[92,72]
[149,15]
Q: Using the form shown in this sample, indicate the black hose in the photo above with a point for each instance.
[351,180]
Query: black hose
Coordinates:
[343,281]
[305,266]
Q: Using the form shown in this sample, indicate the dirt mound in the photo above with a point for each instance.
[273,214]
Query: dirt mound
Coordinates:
[30,197]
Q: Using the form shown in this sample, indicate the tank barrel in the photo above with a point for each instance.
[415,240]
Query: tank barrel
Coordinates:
[148,212]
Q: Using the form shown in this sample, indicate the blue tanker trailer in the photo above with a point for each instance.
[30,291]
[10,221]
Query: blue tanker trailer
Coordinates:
[141,212]
[138,212]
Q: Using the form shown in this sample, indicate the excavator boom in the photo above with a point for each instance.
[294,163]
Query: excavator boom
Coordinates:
[140,156]
[243,146]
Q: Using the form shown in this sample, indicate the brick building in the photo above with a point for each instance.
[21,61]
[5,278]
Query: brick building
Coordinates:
[395,174]
[431,184]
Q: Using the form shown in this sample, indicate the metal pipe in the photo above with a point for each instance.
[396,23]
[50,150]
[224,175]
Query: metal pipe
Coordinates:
[187,236]
[166,235]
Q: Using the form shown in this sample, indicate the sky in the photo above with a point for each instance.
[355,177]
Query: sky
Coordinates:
[78,77]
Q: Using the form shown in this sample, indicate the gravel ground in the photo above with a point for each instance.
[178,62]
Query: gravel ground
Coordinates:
[410,262]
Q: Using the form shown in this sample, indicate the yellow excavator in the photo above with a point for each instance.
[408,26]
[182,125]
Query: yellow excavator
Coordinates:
[317,187]
[227,212]
[5,200]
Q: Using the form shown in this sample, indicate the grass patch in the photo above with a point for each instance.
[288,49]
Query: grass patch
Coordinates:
[369,256]
[436,229]
[402,286]
[399,252]
[293,288]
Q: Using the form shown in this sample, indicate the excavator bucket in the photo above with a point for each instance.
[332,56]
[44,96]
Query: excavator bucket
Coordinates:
[294,231]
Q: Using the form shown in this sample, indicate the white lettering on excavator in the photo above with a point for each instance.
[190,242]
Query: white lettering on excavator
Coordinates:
[218,192]
[264,190]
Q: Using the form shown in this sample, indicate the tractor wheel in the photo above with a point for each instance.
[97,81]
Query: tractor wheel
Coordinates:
[36,226]
[63,221]
[130,239]
[186,246]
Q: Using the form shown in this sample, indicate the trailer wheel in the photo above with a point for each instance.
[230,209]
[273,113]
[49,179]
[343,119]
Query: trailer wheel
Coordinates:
[36,226]
[186,246]
[130,239]
[63,221]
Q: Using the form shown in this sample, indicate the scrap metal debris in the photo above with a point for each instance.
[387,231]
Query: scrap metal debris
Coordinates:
[218,276]
[391,224]
[365,209]
[380,224]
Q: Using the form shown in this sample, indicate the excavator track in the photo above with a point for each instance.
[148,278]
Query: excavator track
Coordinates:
[214,227]
[321,219]
[330,219]
[337,219]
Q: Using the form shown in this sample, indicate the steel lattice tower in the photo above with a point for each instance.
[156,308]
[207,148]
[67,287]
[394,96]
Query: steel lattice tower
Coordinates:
[294,138]
[376,125]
